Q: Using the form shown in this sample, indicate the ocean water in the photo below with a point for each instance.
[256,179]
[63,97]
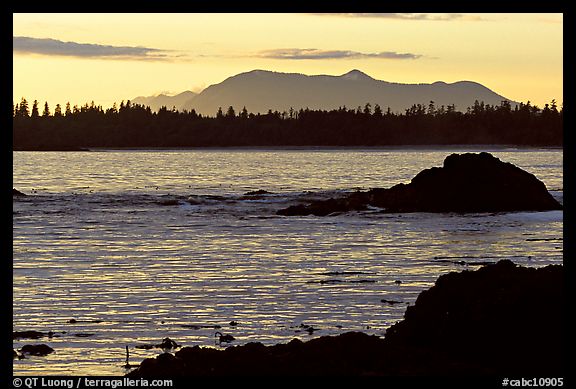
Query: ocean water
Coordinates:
[141,245]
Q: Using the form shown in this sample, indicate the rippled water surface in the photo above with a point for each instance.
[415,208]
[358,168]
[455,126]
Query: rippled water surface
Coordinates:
[137,246]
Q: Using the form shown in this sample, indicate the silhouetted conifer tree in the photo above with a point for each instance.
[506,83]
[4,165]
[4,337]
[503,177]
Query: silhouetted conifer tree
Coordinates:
[46,111]
[244,113]
[58,110]
[35,114]
[23,110]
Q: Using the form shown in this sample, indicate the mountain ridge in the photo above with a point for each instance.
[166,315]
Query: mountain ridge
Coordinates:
[261,90]
[157,101]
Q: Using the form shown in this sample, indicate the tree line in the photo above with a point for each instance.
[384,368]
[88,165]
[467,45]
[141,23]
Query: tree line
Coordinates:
[135,125]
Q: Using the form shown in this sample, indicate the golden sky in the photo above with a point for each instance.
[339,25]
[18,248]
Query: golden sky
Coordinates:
[107,58]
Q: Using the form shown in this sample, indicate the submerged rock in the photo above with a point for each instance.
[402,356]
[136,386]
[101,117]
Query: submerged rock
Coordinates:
[200,326]
[27,334]
[37,349]
[168,202]
[466,183]
[499,320]
[74,321]
[256,195]
[145,346]
[259,192]
[391,302]
[326,207]
[167,344]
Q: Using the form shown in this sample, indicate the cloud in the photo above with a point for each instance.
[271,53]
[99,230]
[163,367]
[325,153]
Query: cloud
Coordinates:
[331,54]
[408,16]
[47,46]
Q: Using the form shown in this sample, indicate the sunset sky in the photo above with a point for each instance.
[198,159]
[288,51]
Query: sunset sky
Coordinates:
[112,57]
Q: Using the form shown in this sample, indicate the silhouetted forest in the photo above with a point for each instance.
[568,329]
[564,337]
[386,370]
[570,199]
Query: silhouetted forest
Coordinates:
[133,125]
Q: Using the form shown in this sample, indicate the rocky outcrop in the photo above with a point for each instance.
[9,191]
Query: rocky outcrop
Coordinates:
[497,321]
[465,183]
[500,319]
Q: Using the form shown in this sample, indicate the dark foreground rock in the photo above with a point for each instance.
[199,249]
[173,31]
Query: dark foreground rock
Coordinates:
[466,183]
[348,353]
[17,193]
[500,320]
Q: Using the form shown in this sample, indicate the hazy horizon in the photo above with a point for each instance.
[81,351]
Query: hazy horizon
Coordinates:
[185,96]
[107,58]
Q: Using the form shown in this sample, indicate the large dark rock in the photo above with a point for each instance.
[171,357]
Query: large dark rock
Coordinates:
[501,320]
[466,183]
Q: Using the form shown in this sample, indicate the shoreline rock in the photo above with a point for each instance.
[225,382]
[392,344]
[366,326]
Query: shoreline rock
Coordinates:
[17,193]
[499,320]
[466,183]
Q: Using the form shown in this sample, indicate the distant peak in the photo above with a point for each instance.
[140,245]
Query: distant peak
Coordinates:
[356,75]
[257,72]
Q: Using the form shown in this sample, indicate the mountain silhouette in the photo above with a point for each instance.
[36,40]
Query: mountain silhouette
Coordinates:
[156,102]
[261,90]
